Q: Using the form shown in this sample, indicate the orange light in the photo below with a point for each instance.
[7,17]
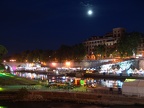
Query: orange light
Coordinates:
[12,60]
[53,64]
[68,63]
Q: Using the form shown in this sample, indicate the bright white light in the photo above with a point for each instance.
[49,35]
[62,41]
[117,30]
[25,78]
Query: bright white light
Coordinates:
[54,64]
[67,63]
[90,12]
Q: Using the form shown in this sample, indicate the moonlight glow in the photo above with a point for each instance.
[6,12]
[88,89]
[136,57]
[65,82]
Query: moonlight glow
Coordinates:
[90,12]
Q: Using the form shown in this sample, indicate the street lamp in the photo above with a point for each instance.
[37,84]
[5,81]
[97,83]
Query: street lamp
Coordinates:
[54,64]
[68,64]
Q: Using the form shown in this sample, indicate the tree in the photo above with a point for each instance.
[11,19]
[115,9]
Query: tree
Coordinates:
[79,52]
[64,53]
[111,52]
[3,51]
[99,51]
[128,43]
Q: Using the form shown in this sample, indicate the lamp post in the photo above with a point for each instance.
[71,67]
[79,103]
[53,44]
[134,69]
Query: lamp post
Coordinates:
[54,64]
[68,64]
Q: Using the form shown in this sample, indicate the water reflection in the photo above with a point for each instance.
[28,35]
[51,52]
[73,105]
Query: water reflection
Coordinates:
[53,78]
[30,75]
[103,82]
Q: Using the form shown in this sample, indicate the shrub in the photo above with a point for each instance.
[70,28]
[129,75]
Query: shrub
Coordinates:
[22,93]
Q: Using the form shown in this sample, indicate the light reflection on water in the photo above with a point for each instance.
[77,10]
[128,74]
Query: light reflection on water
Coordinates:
[73,80]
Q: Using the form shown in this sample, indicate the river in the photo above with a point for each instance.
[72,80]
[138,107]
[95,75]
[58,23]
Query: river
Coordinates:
[90,82]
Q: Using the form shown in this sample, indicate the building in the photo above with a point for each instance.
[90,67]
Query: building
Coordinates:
[118,32]
[140,48]
[109,40]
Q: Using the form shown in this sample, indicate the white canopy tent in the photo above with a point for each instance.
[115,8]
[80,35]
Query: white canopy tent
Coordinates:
[133,87]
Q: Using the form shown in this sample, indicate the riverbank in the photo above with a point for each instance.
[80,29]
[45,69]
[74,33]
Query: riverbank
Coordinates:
[56,104]
[100,98]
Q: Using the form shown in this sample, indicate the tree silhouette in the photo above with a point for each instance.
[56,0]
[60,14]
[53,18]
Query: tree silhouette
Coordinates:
[3,51]
[129,43]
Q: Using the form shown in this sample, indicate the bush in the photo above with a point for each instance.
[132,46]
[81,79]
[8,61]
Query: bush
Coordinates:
[22,93]
[34,97]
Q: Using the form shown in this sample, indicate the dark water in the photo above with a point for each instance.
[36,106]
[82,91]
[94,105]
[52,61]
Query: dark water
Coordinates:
[58,105]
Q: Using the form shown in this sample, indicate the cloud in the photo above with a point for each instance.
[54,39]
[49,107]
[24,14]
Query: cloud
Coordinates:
[86,3]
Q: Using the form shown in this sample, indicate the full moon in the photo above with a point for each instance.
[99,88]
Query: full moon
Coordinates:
[90,12]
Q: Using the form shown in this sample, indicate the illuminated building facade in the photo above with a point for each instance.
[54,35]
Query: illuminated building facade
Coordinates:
[140,48]
[109,40]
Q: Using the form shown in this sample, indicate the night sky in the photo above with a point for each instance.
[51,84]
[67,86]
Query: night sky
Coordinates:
[47,24]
